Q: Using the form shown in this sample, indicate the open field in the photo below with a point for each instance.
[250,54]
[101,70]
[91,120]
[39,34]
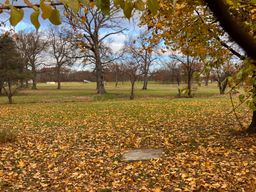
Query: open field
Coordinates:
[72,140]
[86,92]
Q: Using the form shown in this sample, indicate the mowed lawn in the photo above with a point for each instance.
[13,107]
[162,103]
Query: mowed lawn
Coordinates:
[73,140]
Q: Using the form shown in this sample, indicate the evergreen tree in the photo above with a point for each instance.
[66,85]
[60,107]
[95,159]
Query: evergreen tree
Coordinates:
[11,67]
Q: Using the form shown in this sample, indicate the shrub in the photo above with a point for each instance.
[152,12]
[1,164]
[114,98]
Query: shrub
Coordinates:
[7,135]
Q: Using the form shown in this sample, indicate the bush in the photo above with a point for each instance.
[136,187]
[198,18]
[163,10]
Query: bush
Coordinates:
[7,135]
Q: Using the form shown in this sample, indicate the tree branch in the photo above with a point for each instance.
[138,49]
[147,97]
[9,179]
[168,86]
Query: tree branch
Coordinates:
[27,6]
[234,52]
[236,30]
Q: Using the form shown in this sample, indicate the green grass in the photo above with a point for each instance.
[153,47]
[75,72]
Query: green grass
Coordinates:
[76,92]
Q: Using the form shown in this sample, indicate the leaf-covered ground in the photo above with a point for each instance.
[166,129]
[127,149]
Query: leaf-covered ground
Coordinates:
[78,147]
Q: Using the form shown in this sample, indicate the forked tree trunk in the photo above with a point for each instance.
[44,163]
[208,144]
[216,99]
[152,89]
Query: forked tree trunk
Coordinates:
[222,86]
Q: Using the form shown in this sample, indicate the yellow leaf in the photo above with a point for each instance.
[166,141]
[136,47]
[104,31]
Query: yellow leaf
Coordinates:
[46,10]
[34,19]
[153,6]
[1,173]
[21,164]
[158,189]
[16,16]
[139,5]
[104,5]
[44,184]
[50,165]
[55,17]
[128,167]
[128,7]
[28,3]
[74,5]
[55,154]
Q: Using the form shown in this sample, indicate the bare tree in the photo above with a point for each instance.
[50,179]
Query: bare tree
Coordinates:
[221,72]
[93,28]
[146,51]
[174,70]
[63,52]
[132,63]
[31,45]
[132,70]
[189,65]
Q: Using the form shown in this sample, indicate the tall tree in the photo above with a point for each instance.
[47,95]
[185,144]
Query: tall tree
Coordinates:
[31,45]
[146,50]
[10,66]
[174,71]
[93,28]
[189,65]
[132,63]
[62,50]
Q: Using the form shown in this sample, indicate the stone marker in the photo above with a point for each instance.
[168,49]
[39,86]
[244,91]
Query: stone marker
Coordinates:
[142,154]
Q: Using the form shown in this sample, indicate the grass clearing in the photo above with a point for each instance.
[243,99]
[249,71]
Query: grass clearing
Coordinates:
[77,145]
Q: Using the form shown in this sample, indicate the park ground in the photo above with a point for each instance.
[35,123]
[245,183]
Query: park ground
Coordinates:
[73,140]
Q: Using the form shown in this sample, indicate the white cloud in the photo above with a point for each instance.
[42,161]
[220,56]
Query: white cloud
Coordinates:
[117,42]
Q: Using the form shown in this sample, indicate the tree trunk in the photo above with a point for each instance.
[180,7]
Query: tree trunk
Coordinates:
[26,80]
[9,94]
[99,73]
[27,84]
[22,83]
[1,87]
[252,126]
[34,78]
[34,83]
[207,80]
[116,79]
[145,82]
[58,78]
[189,84]
[178,81]
[222,86]
[132,90]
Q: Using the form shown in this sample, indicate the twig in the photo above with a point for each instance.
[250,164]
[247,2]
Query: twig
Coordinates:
[6,7]
[237,118]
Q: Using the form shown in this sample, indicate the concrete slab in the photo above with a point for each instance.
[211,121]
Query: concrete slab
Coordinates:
[142,154]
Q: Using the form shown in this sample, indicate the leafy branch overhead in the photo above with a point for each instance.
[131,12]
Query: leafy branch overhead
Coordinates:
[48,9]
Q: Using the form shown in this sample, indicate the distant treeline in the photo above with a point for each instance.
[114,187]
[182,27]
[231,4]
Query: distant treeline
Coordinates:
[162,75]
